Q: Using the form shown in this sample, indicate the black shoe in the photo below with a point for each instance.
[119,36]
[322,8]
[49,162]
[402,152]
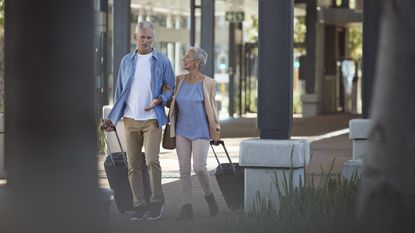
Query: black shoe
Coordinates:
[185,214]
[139,214]
[213,206]
[155,211]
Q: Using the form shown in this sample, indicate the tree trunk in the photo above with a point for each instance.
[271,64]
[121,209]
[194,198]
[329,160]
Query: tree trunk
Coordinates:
[387,198]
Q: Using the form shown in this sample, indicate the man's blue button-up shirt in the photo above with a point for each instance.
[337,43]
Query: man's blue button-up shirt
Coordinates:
[162,85]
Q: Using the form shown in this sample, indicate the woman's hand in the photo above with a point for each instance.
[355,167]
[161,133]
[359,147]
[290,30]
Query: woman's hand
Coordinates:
[153,104]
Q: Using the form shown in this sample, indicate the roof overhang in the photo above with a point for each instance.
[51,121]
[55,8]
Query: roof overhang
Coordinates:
[339,16]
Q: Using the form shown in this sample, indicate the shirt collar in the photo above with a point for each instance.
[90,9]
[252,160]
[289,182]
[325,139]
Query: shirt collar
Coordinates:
[155,54]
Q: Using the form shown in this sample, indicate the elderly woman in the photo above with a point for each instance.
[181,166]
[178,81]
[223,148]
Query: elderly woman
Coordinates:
[194,121]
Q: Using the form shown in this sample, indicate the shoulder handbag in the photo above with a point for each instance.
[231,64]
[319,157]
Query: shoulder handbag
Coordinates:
[169,143]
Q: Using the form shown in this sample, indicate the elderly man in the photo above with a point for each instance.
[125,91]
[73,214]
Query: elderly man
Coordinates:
[145,84]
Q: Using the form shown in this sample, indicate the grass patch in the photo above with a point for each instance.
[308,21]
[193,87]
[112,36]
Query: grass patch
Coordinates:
[326,206]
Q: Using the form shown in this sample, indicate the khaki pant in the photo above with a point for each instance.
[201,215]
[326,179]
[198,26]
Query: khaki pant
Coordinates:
[200,148]
[137,134]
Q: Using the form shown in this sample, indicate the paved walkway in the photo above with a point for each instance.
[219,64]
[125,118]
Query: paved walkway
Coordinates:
[329,140]
[329,137]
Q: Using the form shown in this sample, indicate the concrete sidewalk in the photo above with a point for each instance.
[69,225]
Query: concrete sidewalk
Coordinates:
[329,140]
[329,137]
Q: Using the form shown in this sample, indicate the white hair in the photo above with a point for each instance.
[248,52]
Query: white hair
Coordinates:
[144,25]
[200,55]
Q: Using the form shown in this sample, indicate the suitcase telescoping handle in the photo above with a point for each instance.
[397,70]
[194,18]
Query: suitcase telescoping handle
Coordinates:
[227,155]
[119,143]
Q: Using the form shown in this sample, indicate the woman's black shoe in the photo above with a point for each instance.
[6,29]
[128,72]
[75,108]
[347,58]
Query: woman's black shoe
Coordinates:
[185,213]
[213,206]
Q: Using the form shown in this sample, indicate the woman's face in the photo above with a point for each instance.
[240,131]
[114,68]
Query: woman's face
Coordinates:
[189,63]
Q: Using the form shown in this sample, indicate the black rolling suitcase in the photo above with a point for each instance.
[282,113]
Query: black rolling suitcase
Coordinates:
[116,168]
[230,178]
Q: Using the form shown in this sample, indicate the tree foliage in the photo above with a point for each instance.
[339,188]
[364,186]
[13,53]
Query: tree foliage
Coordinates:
[1,13]
[355,43]
[299,29]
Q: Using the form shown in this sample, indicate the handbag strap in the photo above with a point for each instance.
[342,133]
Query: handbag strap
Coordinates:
[168,116]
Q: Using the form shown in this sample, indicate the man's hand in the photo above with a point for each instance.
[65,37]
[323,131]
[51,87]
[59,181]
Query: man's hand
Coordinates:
[107,125]
[153,104]
[216,142]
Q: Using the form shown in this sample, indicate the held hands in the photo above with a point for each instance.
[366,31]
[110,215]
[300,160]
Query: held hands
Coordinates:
[153,104]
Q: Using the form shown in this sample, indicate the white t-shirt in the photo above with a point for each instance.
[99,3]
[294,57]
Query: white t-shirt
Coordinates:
[140,92]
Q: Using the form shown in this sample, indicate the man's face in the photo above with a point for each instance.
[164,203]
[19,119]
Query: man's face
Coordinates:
[144,38]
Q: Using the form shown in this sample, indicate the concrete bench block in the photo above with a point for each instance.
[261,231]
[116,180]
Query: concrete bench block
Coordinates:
[359,149]
[310,98]
[360,128]
[352,166]
[262,182]
[111,138]
[274,153]
[310,105]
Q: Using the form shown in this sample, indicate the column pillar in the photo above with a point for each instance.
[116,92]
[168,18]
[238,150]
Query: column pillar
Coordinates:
[140,15]
[371,22]
[232,68]
[265,159]
[310,59]
[311,97]
[207,41]
[178,62]
[193,22]
[121,34]
[101,55]
[275,54]
[170,45]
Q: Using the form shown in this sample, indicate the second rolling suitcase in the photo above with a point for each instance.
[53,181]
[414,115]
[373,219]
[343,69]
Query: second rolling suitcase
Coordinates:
[230,178]
[116,168]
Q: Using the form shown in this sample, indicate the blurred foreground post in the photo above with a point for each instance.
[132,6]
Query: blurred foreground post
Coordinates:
[387,201]
[50,139]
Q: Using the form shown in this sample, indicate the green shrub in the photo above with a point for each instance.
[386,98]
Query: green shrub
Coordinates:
[100,139]
[297,103]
